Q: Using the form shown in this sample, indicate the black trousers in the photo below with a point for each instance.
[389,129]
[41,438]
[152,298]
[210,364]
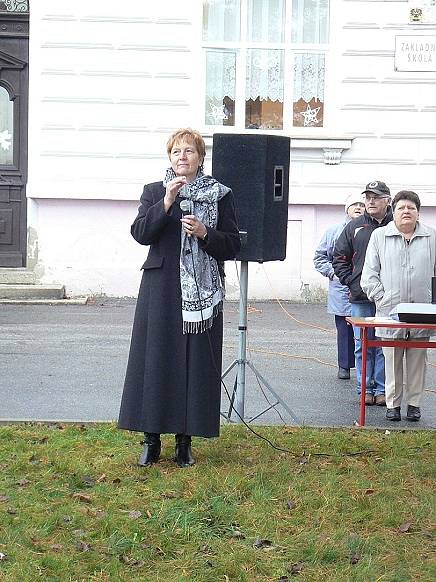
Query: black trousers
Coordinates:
[345,341]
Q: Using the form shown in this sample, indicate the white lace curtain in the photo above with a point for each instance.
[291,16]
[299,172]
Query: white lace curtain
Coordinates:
[221,74]
[310,21]
[265,67]
[264,75]
[309,77]
[221,20]
[266,20]
[6,127]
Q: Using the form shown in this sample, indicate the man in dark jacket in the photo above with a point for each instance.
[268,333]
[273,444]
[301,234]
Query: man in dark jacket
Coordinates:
[348,260]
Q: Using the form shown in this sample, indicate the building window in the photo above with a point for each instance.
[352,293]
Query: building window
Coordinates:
[220,87]
[6,128]
[264,89]
[265,63]
[308,101]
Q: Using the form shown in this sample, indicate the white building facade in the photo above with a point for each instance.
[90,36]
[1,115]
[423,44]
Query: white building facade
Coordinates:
[351,82]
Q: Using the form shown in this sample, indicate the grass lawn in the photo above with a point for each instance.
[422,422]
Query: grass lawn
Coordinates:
[352,505]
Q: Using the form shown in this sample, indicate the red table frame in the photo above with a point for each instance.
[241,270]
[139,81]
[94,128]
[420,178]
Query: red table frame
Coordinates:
[366,323]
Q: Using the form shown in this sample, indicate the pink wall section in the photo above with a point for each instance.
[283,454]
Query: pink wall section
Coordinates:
[315,221]
[86,245]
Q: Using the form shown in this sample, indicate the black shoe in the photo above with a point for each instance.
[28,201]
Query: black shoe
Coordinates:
[393,413]
[151,452]
[343,373]
[184,456]
[413,413]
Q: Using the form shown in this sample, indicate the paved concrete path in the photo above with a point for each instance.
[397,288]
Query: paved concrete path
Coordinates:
[68,363]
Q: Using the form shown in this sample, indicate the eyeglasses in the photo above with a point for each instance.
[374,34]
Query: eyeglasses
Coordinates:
[374,197]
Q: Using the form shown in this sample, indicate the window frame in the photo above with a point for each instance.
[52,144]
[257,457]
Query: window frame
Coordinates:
[15,142]
[289,49]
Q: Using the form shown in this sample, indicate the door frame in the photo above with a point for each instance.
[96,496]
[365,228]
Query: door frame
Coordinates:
[14,77]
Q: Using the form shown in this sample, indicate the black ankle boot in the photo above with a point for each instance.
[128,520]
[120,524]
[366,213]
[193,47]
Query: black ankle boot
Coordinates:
[151,452]
[184,456]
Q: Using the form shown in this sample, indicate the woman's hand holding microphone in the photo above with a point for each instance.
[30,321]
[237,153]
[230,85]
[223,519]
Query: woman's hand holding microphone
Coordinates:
[191,224]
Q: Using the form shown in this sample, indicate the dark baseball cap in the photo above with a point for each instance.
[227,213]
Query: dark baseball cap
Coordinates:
[377,188]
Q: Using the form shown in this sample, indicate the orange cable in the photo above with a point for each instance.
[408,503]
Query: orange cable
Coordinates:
[305,323]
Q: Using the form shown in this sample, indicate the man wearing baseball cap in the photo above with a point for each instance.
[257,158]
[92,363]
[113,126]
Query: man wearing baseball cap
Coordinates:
[348,260]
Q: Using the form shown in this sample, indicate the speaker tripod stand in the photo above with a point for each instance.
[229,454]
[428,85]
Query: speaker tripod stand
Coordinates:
[237,400]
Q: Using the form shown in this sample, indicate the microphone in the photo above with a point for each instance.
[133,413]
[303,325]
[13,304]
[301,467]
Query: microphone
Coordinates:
[185,207]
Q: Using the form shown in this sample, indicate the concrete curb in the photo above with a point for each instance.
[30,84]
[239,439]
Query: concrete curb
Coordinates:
[69,422]
[75,301]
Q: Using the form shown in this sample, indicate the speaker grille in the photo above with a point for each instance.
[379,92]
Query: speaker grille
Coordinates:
[256,168]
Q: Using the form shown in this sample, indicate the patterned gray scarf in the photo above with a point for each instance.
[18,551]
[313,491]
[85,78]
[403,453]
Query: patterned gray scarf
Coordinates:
[198,269]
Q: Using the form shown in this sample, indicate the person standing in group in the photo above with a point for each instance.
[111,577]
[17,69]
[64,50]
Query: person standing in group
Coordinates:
[338,303]
[173,378]
[399,265]
[348,260]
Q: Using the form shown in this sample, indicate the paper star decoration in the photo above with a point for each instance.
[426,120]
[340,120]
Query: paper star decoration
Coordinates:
[310,115]
[218,113]
[5,138]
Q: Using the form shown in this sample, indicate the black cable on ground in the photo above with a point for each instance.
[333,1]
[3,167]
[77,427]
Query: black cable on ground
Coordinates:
[255,433]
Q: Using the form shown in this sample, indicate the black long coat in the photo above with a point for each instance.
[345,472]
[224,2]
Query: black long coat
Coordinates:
[173,381]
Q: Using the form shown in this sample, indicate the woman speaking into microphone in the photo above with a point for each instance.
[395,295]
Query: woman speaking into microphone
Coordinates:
[173,378]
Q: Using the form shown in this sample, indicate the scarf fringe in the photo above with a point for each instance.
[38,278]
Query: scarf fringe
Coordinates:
[203,325]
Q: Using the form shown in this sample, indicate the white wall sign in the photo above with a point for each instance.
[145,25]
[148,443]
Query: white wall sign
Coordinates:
[415,53]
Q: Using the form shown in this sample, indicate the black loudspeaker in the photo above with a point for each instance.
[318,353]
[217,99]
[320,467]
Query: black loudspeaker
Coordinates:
[256,168]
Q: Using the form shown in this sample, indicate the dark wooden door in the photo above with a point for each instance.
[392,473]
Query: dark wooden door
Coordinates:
[14,84]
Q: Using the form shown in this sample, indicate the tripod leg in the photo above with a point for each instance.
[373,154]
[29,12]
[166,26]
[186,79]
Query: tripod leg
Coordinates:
[228,414]
[232,400]
[237,401]
[232,365]
[274,393]
[240,392]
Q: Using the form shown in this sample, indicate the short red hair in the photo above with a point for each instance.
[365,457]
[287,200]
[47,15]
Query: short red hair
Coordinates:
[189,135]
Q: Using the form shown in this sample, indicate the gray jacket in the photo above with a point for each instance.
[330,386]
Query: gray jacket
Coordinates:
[399,272]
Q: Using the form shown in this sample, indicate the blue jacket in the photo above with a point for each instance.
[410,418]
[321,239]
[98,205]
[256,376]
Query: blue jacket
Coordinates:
[338,295]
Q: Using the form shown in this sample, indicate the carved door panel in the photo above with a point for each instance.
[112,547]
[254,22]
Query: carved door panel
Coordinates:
[14,50]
